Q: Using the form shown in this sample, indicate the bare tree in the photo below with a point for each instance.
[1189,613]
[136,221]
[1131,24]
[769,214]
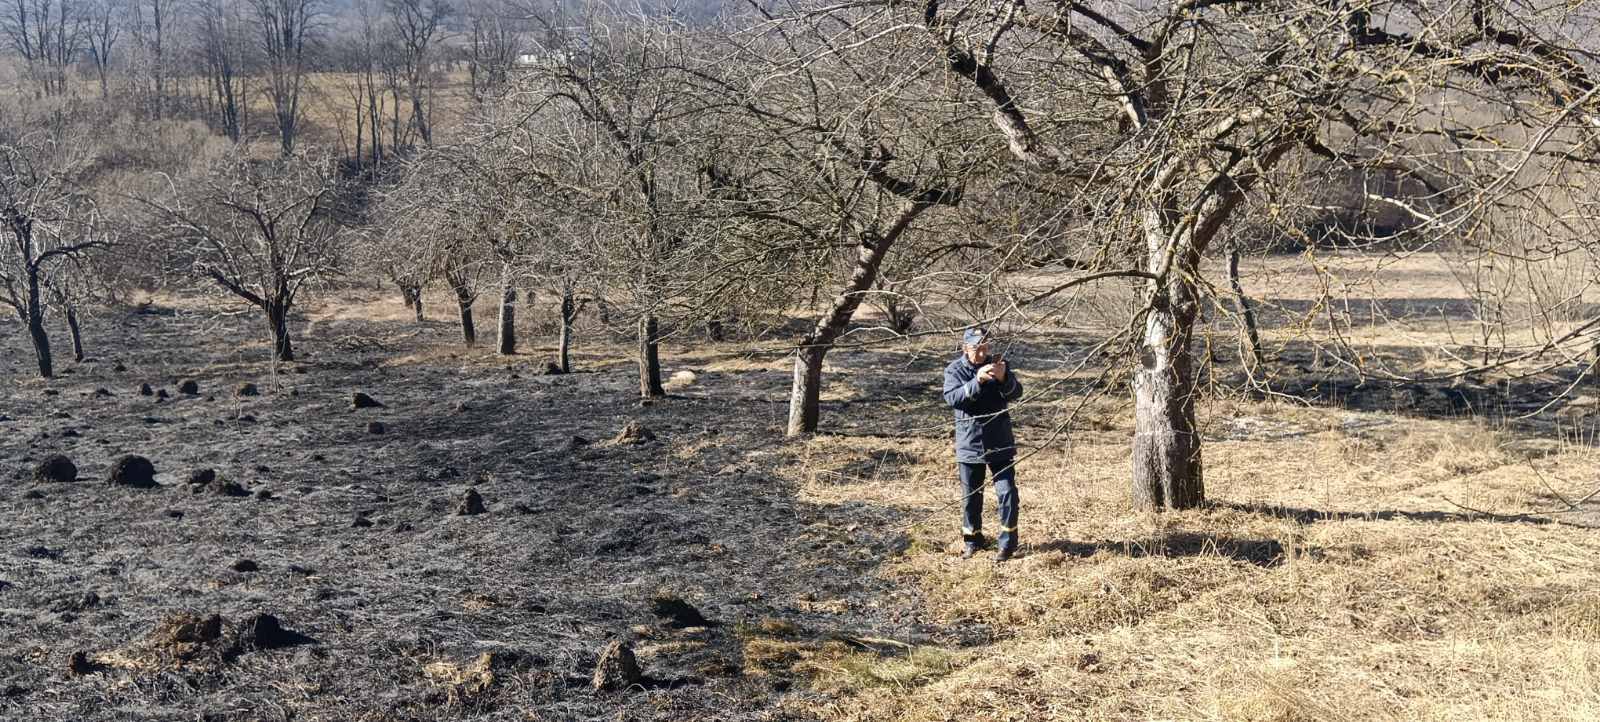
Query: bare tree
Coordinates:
[150,22]
[1166,119]
[832,175]
[224,54]
[494,43]
[625,114]
[284,29]
[415,24]
[361,58]
[103,24]
[48,34]
[44,224]
[466,269]
[259,230]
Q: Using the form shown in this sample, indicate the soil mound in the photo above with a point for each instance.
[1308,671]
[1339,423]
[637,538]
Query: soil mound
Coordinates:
[617,669]
[55,468]
[359,400]
[471,504]
[634,433]
[132,470]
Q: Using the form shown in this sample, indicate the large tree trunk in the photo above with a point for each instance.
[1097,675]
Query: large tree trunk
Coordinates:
[805,395]
[77,333]
[508,316]
[278,323]
[649,358]
[1166,445]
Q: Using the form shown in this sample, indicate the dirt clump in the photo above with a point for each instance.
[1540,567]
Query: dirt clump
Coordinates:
[471,504]
[553,369]
[146,390]
[55,468]
[617,668]
[132,471]
[262,631]
[634,433]
[247,389]
[178,637]
[103,392]
[79,664]
[200,477]
[676,613]
[359,400]
[376,428]
[189,387]
[245,566]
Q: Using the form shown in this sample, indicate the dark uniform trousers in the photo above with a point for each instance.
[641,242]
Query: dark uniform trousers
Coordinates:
[1005,491]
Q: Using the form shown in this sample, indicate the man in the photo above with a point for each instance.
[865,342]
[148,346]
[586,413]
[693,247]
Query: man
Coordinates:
[979,387]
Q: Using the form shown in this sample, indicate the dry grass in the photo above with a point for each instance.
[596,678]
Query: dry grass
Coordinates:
[1359,591]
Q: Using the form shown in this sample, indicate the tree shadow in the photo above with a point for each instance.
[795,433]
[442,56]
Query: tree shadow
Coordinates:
[1542,403]
[1265,553]
[1301,515]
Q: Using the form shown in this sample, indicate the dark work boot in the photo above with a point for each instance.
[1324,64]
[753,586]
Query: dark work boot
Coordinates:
[1005,554]
[975,543]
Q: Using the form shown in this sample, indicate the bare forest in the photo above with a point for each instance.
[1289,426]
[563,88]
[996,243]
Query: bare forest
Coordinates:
[513,359]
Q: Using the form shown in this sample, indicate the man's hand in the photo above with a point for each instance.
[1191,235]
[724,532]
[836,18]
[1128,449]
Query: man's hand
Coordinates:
[986,373]
[997,370]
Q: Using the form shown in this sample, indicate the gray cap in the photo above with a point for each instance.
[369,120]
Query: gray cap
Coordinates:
[974,335]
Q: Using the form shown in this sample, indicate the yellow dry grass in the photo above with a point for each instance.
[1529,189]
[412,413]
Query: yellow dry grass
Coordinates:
[1339,578]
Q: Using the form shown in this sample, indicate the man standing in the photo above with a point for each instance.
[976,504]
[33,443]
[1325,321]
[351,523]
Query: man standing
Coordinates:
[978,388]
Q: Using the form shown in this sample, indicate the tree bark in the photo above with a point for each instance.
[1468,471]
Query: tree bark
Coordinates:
[278,323]
[77,334]
[1255,359]
[805,405]
[508,316]
[33,316]
[416,303]
[469,330]
[649,358]
[1166,446]
[41,346]
[569,314]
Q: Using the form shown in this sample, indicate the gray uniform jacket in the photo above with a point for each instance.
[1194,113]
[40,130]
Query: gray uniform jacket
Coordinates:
[983,425]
